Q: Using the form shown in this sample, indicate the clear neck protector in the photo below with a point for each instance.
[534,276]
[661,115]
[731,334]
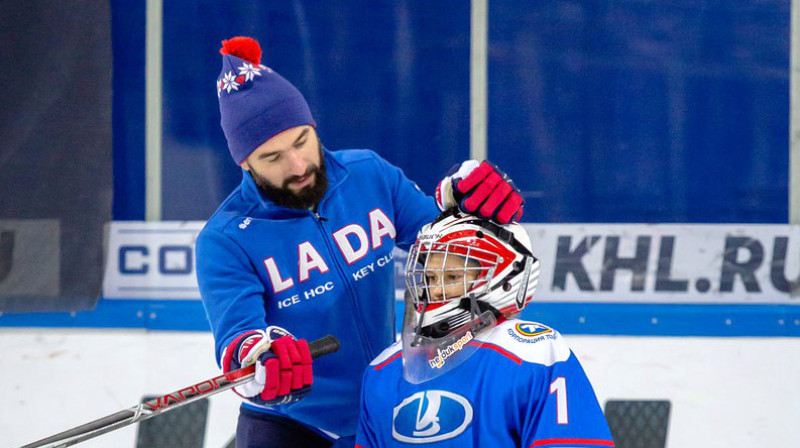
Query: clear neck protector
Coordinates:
[427,356]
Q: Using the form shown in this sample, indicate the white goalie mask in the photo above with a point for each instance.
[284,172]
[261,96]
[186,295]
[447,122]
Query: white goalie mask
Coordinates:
[463,276]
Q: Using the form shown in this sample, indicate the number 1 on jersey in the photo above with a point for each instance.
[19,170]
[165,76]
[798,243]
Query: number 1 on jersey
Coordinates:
[559,387]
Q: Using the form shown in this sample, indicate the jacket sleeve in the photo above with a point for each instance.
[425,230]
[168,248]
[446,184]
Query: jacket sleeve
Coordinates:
[413,209]
[562,406]
[232,293]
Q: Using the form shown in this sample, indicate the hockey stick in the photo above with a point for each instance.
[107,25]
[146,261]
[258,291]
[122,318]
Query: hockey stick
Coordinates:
[323,346]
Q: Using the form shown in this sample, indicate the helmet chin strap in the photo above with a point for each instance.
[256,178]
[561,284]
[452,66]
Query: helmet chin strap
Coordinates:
[476,322]
[418,330]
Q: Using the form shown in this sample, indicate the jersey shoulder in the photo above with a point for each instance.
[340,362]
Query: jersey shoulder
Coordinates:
[388,355]
[531,342]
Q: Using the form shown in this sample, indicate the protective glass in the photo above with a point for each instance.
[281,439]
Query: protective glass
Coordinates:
[425,358]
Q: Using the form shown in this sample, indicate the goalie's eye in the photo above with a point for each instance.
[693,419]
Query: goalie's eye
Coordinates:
[453,277]
[448,277]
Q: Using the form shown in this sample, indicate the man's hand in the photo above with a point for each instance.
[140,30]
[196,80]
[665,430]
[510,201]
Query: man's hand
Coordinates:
[283,365]
[483,190]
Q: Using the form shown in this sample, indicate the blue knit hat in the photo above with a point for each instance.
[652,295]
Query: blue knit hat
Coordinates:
[255,102]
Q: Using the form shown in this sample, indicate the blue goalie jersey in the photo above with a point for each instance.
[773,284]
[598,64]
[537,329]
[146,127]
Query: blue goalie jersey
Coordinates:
[523,387]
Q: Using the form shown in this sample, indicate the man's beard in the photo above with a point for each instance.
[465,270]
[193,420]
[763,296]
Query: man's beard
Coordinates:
[306,198]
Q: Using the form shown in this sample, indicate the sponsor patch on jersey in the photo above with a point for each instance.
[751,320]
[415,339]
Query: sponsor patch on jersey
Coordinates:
[431,416]
[530,329]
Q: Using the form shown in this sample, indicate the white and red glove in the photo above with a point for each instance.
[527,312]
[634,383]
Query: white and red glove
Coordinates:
[483,190]
[283,365]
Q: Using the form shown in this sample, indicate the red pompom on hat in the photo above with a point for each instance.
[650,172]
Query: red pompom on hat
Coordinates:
[245,48]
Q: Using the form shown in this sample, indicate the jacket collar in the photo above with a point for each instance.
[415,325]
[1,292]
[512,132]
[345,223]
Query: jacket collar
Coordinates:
[333,168]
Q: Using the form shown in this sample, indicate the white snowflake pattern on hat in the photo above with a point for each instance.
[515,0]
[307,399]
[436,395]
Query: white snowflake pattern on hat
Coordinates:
[229,82]
[249,71]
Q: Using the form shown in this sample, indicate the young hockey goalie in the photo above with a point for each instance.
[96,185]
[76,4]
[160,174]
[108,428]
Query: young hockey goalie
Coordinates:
[467,374]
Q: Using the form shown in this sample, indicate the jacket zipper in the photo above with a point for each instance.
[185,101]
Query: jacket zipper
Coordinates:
[362,332]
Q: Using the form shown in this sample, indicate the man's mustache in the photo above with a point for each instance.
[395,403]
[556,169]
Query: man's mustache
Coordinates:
[311,169]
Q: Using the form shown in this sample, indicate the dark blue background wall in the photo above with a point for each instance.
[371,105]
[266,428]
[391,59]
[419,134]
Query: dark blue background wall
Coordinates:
[602,111]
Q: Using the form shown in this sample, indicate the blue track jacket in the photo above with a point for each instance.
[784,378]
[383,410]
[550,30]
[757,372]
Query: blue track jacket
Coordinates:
[332,272]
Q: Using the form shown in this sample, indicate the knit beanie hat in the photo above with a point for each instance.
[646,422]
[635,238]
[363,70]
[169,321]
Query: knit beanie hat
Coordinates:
[255,102]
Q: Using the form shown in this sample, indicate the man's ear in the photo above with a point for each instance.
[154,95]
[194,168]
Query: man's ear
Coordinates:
[245,165]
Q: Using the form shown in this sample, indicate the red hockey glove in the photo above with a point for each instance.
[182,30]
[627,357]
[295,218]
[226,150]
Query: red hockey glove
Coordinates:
[283,365]
[483,190]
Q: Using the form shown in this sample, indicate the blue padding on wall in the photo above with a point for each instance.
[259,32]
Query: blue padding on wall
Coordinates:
[174,315]
[568,318]
[128,20]
[642,111]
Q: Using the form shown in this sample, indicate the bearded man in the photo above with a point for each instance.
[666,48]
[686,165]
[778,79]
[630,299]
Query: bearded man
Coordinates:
[304,245]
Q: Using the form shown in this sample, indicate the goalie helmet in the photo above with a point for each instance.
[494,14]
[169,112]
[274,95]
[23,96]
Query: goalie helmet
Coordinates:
[463,275]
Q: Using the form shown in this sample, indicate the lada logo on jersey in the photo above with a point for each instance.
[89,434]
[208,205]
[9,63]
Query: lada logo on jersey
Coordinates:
[531,330]
[431,416]
[243,225]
